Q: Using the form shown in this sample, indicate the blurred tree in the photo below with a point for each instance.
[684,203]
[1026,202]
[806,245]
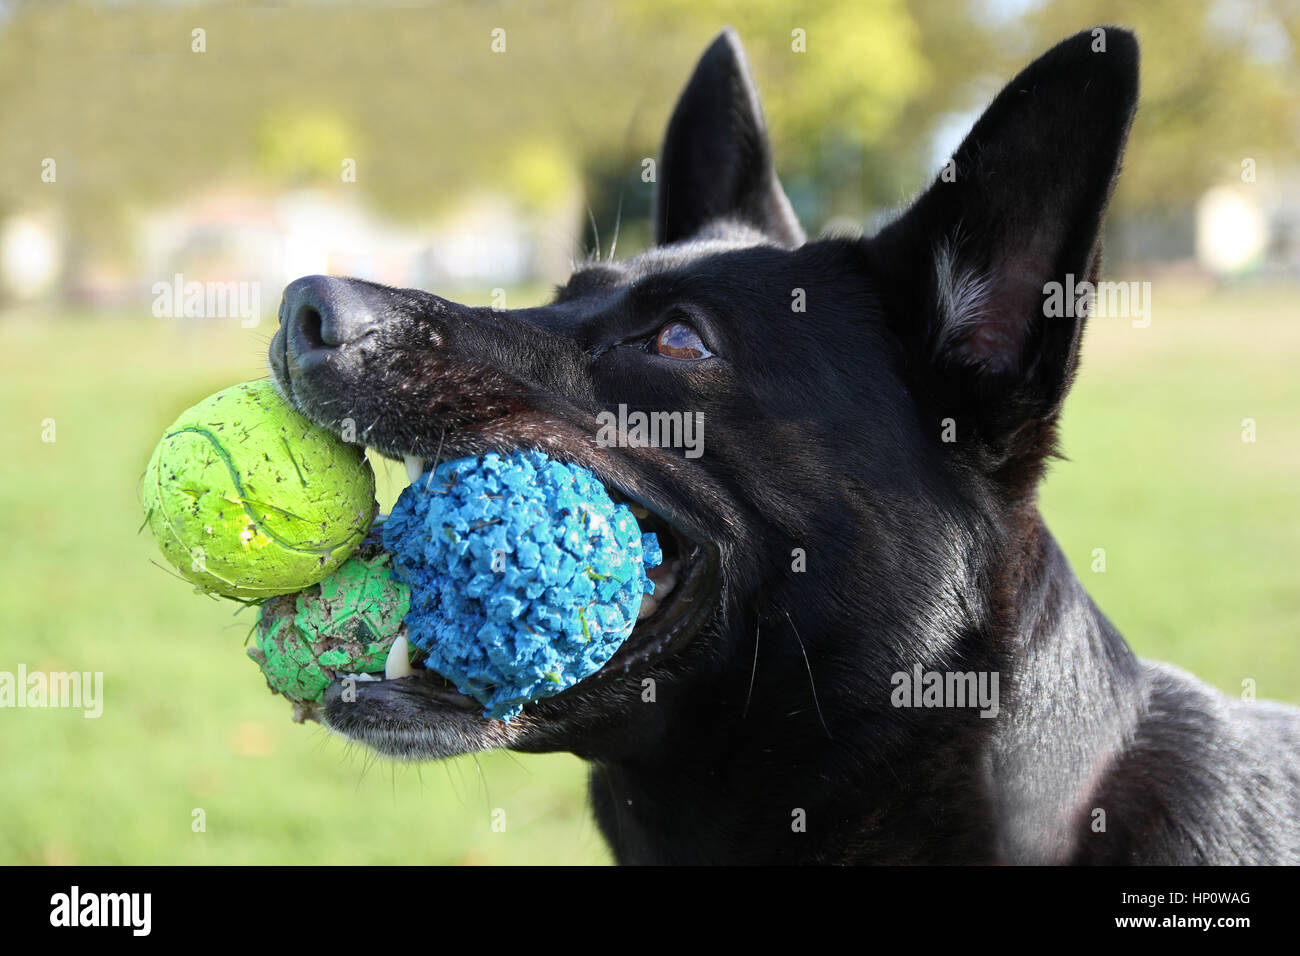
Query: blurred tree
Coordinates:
[1218,86]
[302,148]
[845,65]
[431,102]
[540,172]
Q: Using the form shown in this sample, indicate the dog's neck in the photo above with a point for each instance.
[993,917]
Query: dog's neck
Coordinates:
[1074,702]
[749,768]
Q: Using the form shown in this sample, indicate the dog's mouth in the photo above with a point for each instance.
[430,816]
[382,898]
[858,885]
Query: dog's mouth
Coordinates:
[684,585]
[416,713]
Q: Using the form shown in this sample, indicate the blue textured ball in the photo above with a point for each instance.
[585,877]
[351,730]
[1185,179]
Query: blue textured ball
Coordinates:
[525,576]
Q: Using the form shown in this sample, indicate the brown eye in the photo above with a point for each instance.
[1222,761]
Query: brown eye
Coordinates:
[680,340]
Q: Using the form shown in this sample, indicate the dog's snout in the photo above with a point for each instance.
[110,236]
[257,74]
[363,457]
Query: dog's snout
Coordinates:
[321,312]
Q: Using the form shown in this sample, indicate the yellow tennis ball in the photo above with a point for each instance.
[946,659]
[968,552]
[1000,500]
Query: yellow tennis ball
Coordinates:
[247,498]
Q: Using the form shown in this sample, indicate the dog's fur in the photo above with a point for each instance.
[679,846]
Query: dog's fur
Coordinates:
[761,729]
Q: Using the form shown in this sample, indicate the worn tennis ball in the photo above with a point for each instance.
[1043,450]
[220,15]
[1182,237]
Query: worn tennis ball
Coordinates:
[247,499]
[346,625]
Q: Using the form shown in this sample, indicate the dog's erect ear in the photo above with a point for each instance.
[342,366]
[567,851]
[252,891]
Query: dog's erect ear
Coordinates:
[716,161]
[1019,206]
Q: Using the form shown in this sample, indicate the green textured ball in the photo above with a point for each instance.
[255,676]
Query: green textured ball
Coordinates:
[246,498]
[344,625]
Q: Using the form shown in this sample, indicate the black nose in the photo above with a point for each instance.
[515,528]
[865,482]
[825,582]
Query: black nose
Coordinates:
[321,312]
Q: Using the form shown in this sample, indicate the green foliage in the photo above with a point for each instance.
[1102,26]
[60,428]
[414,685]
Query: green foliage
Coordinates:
[1219,84]
[419,98]
[540,173]
[302,147]
[823,69]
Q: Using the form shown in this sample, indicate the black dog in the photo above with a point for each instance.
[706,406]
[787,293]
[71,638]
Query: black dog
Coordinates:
[863,515]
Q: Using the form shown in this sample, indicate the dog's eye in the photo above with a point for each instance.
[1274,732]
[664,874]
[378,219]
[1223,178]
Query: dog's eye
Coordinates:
[680,340]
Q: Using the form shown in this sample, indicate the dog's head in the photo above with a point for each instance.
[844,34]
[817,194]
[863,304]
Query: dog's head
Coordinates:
[875,411]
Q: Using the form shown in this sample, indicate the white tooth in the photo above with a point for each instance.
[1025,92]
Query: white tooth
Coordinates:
[414,467]
[665,583]
[648,606]
[399,660]
[638,511]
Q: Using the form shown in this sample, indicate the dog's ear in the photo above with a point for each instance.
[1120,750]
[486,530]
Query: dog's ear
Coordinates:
[716,161]
[967,268]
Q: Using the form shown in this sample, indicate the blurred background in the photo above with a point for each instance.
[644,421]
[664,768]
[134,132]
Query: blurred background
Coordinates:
[165,169]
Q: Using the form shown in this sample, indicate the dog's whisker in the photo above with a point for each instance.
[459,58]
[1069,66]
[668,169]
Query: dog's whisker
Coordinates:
[482,779]
[618,223]
[754,670]
[594,231]
[811,683]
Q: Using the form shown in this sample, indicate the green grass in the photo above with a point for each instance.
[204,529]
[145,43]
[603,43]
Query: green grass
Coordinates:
[1201,532]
